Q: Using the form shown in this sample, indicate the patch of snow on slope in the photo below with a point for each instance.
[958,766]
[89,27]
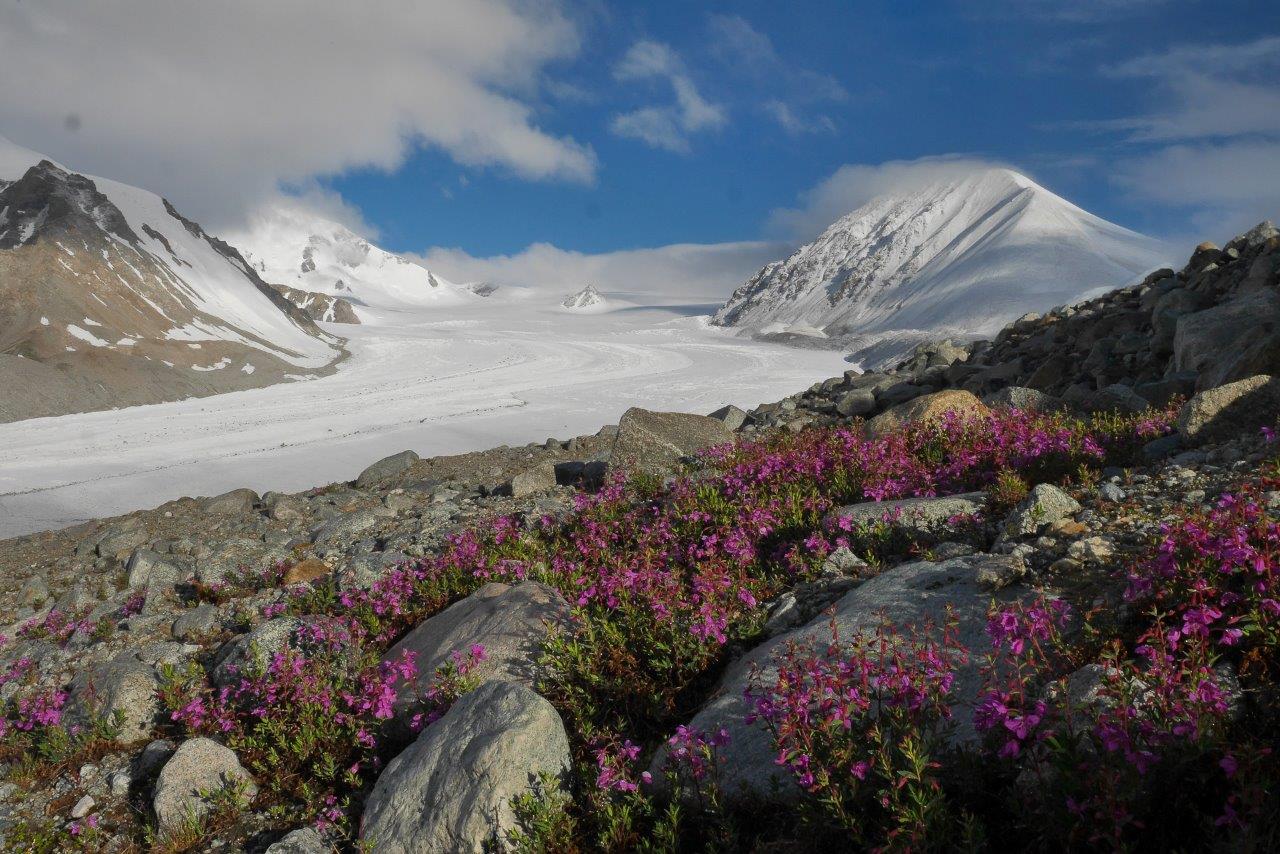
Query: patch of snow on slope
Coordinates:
[86,336]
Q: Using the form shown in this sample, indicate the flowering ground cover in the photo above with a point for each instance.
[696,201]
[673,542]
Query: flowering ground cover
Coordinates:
[669,579]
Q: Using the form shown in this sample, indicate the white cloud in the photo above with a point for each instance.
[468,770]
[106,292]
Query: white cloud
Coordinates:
[1231,186]
[666,126]
[853,185]
[749,53]
[216,103]
[1211,142]
[686,270]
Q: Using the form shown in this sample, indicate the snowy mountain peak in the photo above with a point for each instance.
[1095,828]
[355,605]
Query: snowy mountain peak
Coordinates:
[291,246]
[585,298]
[960,256]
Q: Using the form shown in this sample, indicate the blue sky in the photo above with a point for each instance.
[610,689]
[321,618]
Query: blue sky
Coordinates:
[860,83]
[482,133]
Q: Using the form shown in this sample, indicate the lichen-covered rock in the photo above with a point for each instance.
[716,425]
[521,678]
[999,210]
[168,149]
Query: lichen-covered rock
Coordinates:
[917,515]
[197,769]
[655,441]
[451,790]
[254,650]
[1045,505]
[925,409]
[121,691]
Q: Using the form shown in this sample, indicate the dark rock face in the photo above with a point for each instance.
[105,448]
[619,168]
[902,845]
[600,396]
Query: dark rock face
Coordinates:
[48,202]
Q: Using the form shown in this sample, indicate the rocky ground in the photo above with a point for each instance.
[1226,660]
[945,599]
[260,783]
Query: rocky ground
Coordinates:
[104,618]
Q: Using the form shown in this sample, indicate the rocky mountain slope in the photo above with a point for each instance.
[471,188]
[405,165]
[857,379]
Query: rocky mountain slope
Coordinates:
[517,649]
[295,248]
[109,297]
[961,257]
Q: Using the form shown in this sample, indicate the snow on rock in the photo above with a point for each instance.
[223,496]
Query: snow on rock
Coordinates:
[958,258]
[588,297]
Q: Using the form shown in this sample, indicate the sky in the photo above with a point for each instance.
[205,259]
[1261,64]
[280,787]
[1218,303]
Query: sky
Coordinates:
[501,139]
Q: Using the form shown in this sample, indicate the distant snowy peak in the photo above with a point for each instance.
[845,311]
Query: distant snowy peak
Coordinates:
[588,297]
[961,256]
[292,247]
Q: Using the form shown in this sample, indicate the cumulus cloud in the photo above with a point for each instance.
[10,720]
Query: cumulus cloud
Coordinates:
[666,126]
[687,270]
[794,90]
[853,185]
[218,103]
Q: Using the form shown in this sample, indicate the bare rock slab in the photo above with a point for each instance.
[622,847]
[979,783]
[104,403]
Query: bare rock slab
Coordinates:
[654,441]
[511,623]
[907,595]
[451,789]
[926,409]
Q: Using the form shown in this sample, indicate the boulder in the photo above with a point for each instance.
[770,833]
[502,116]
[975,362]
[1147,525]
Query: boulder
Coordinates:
[917,515]
[241,553]
[254,650]
[1117,398]
[927,409]
[233,503]
[147,568]
[348,527]
[655,441]
[1023,399]
[854,403]
[1217,342]
[1045,505]
[910,594]
[1239,407]
[451,790]
[122,690]
[200,620]
[730,416]
[121,537]
[197,769]
[511,623]
[386,468]
[540,478]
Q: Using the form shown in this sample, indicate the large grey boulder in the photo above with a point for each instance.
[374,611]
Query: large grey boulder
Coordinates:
[1239,407]
[197,769]
[730,416]
[857,402]
[350,526]
[121,691]
[655,441]
[236,555]
[451,790]
[1219,343]
[917,515]
[386,468]
[907,595]
[306,840]
[510,622]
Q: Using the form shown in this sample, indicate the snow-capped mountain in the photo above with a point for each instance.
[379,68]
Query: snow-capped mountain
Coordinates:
[110,297]
[961,257]
[588,297]
[289,245]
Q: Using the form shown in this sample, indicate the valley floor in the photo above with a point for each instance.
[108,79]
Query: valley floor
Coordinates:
[441,381]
